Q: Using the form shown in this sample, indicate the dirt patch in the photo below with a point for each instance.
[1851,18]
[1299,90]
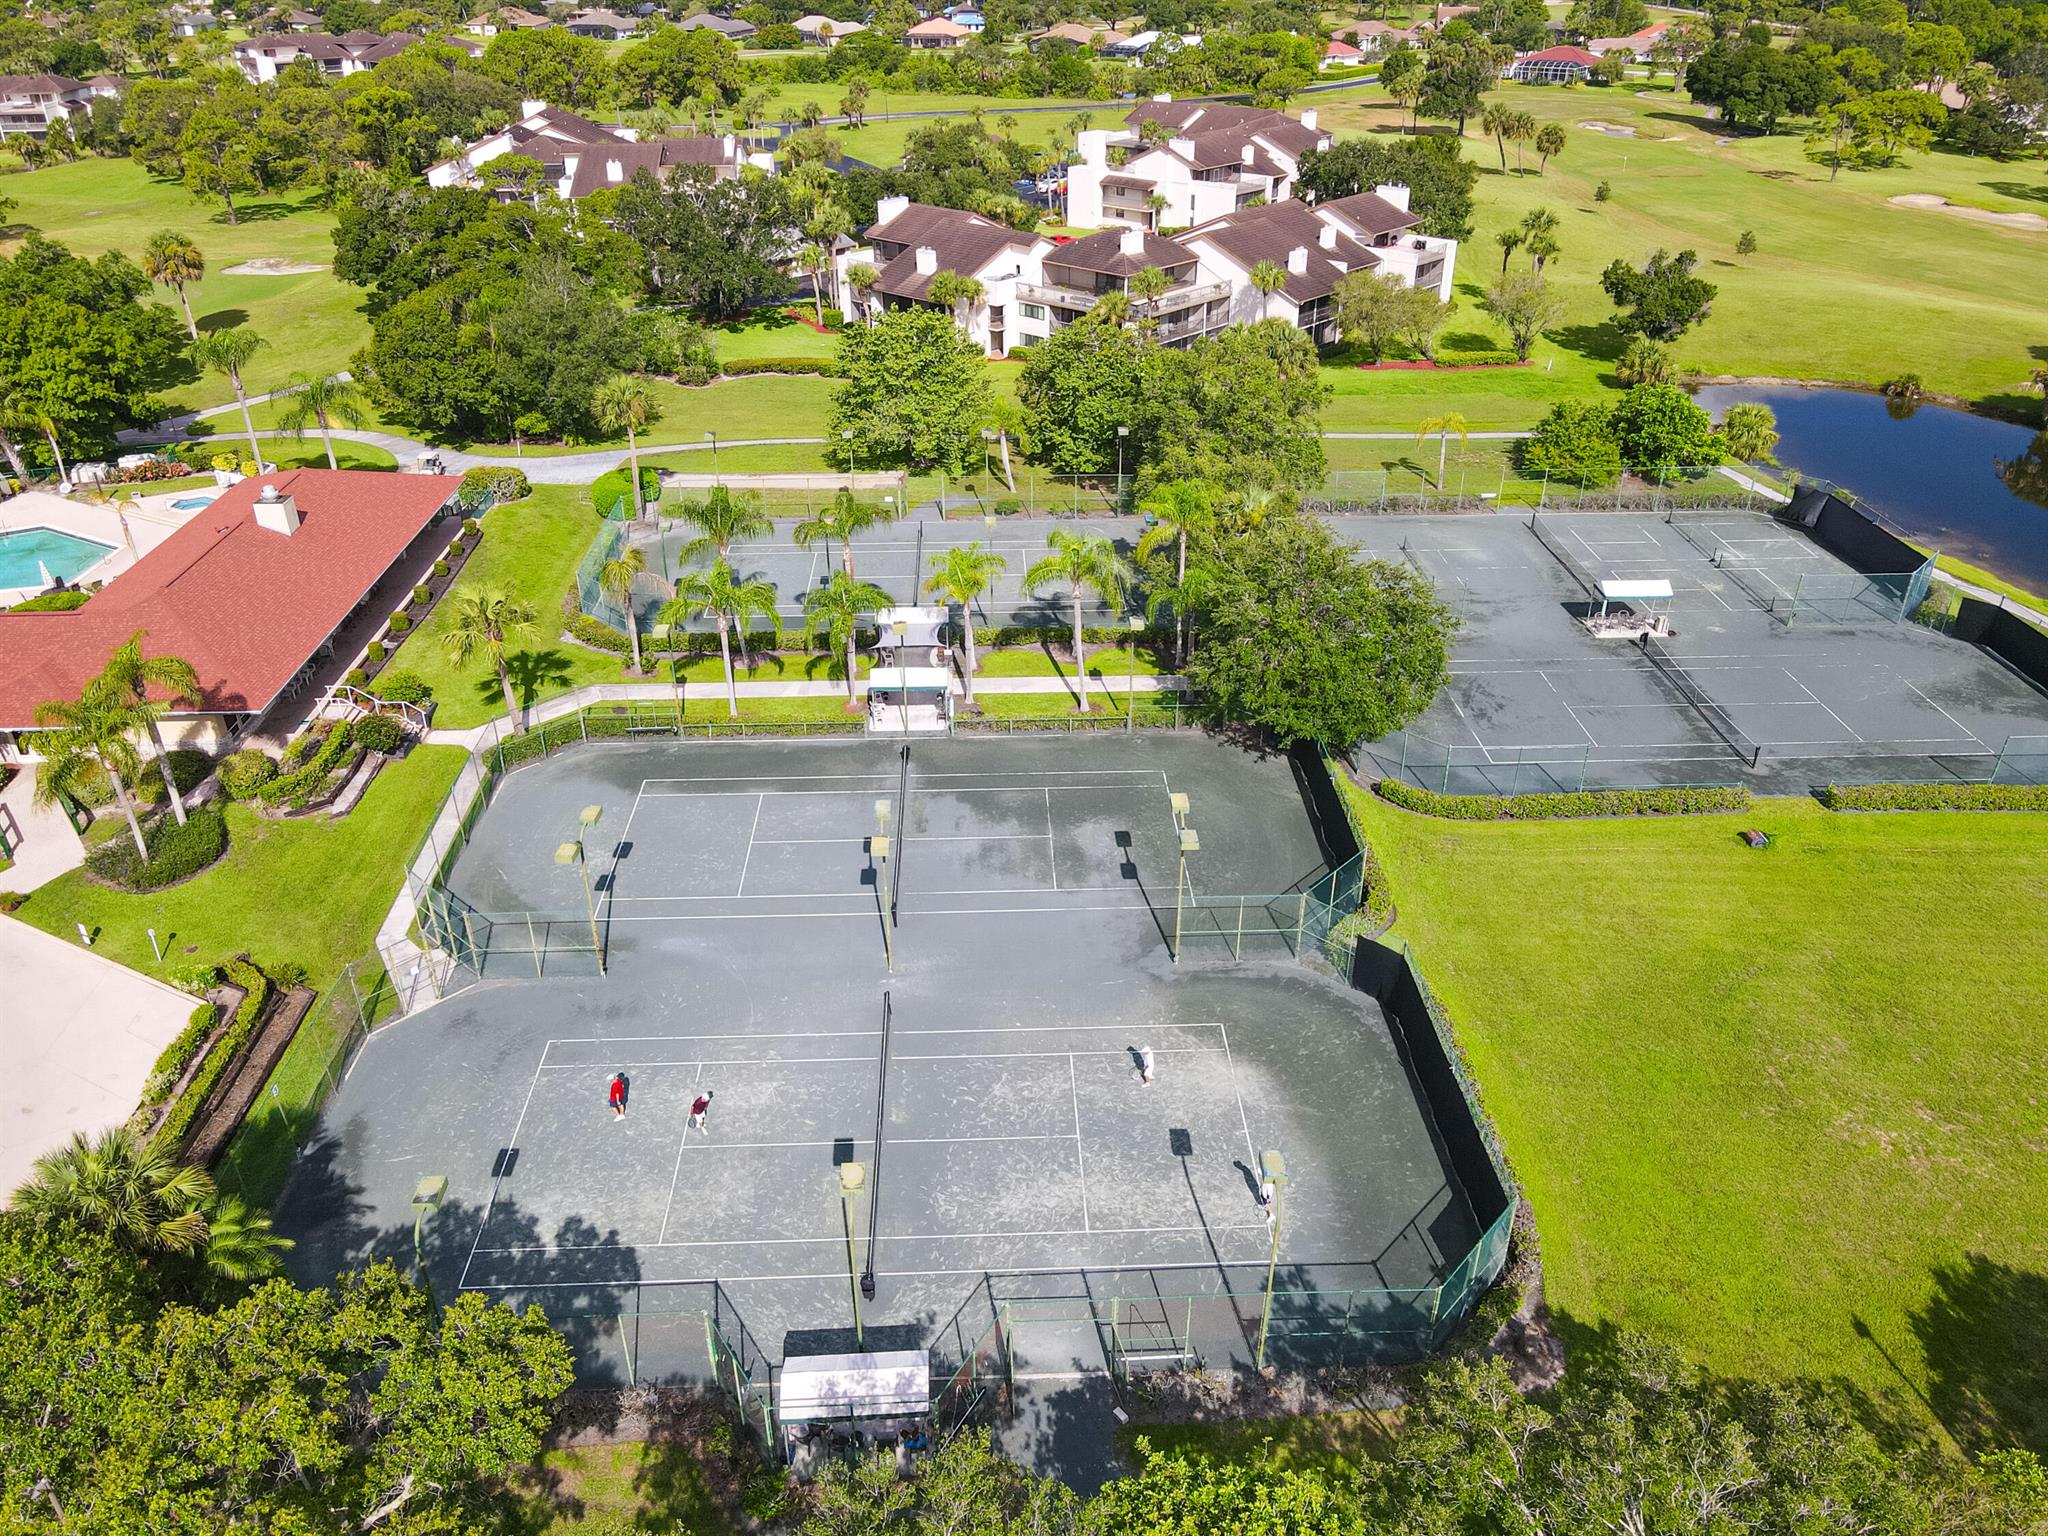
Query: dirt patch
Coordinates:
[1938,204]
[272,266]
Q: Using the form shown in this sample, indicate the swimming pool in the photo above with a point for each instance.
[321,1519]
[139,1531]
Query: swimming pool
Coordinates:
[24,550]
[193,503]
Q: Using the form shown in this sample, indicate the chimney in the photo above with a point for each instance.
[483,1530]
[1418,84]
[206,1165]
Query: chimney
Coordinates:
[889,207]
[280,514]
[1131,242]
[531,108]
[725,146]
[1164,96]
[614,172]
[1181,146]
[1297,260]
[1392,192]
[927,260]
[1326,237]
[1094,146]
[1245,155]
[1308,118]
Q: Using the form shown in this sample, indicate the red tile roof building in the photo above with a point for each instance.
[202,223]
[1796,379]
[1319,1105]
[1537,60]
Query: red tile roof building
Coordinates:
[248,604]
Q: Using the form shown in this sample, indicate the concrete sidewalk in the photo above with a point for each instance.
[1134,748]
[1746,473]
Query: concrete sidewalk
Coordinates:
[41,837]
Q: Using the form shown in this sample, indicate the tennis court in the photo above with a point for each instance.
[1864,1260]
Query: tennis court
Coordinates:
[991,1082]
[896,558]
[1744,689]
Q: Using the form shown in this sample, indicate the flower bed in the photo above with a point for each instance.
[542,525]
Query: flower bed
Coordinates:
[419,604]
[317,764]
[226,1051]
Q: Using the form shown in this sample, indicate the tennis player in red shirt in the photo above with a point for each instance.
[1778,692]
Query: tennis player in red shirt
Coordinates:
[617,1096]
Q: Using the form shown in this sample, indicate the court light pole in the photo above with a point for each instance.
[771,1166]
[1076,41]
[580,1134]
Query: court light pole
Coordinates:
[427,1196]
[853,1183]
[1121,434]
[1189,843]
[712,439]
[846,436]
[878,847]
[1132,623]
[1273,1178]
[573,853]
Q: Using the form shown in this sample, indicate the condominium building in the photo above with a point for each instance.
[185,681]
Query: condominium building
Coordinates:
[578,157]
[30,103]
[1176,164]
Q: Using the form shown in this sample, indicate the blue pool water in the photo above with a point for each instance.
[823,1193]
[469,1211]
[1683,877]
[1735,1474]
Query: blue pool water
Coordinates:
[193,503]
[65,554]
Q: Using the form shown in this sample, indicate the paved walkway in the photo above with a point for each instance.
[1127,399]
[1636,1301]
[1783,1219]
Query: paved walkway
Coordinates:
[41,838]
[77,1040]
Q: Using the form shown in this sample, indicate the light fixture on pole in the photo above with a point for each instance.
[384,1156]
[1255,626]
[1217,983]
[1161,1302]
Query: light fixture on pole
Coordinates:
[1133,623]
[1121,434]
[988,438]
[1272,1183]
[878,851]
[846,436]
[712,439]
[427,1196]
[1189,843]
[853,1183]
[573,853]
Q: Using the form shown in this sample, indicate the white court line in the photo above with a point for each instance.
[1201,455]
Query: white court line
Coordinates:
[1163,1050]
[791,1034]
[677,1174]
[1080,1148]
[965,789]
[499,1179]
[1237,1090]
[1968,734]
[838,1240]
[1052,847]
[1012,1029]
[1001,890]
[930,837]
[755,826]
[755,917]
[1854,734]
[715,1061]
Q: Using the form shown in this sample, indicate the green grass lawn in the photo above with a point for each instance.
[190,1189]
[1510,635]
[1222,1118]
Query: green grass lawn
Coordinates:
[282,451]
[310,320]
[530,549]
[1844,285]
[773,331]
[1776,1106]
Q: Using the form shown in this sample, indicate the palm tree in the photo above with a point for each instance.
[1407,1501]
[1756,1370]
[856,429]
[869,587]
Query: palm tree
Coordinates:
[14,419]
[1496,120]
[722,519]
[730,602]
[1082,562]
[1111,307]
[1749,431]
[1155,204]
[123,1186]
[1268,277]
[622,403]
[1146,285]
[957,293]
[227,351]
[816,261]
[484,620]
[1521,128]
[129,675]
[844,517]
[1443,426]
[94,731]
[1541,248]
[240,1244]
[617,576]
[1510,241]
[174,260]
[861,277]
[838,607]
[960,575]
[1180,507]
[1549,145]
[320,402]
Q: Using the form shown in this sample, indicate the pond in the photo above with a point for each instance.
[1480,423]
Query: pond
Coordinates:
[1968,486]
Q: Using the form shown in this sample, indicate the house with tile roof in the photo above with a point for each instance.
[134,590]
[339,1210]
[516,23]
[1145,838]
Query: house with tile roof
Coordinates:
[1338,54]
[1562,65]
[608,26]
[936,32]
[1081,34]
[728,27]
[504,18]
[1202,159]
[1636,45]
[824,32]
[256,591]
[578,157]
[30,103]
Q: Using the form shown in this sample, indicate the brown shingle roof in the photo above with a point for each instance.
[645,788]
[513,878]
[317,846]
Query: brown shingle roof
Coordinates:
[1103,252]
[594,162]
[1273,233]
[963,242]
[1371,214]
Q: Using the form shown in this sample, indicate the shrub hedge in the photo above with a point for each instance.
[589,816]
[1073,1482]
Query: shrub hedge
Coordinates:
[336,753]
[379,733]
[177,1056]
[404,688]
[1588,802]
[739,367]
[243,773]
[175,852]
[233,1041]
[501,481]
[53,602]
[400,623]
[616,485]
[1935,797]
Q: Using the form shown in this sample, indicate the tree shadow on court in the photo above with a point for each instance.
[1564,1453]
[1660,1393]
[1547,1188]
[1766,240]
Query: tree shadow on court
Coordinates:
[1984,1336]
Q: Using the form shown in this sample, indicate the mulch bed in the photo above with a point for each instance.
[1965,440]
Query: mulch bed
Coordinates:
[232,1102]
[1424,365]
[437,587]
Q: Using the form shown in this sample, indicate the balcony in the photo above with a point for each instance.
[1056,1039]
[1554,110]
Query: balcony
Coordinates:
[1172,302]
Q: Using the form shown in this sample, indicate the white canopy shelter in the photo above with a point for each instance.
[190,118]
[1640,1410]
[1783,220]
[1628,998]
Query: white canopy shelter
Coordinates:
[909,680]
[1649,591]
[891,1385]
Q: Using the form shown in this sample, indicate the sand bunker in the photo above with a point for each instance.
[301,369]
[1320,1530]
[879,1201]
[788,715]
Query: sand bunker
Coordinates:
[1939,204]
[272,266]
[1619,130]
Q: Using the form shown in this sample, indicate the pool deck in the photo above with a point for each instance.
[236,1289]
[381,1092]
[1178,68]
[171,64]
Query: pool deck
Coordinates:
[130,530]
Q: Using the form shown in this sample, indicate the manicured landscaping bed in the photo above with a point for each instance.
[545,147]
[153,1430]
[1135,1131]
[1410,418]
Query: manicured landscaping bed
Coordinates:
[1770,1104]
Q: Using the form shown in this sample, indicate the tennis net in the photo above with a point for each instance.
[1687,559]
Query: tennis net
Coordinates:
[1558,552]
[1745,749]
[1696,537]
[1757,585]
[902,836]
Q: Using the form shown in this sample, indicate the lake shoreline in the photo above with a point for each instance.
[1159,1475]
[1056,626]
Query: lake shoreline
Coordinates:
[1695,382]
